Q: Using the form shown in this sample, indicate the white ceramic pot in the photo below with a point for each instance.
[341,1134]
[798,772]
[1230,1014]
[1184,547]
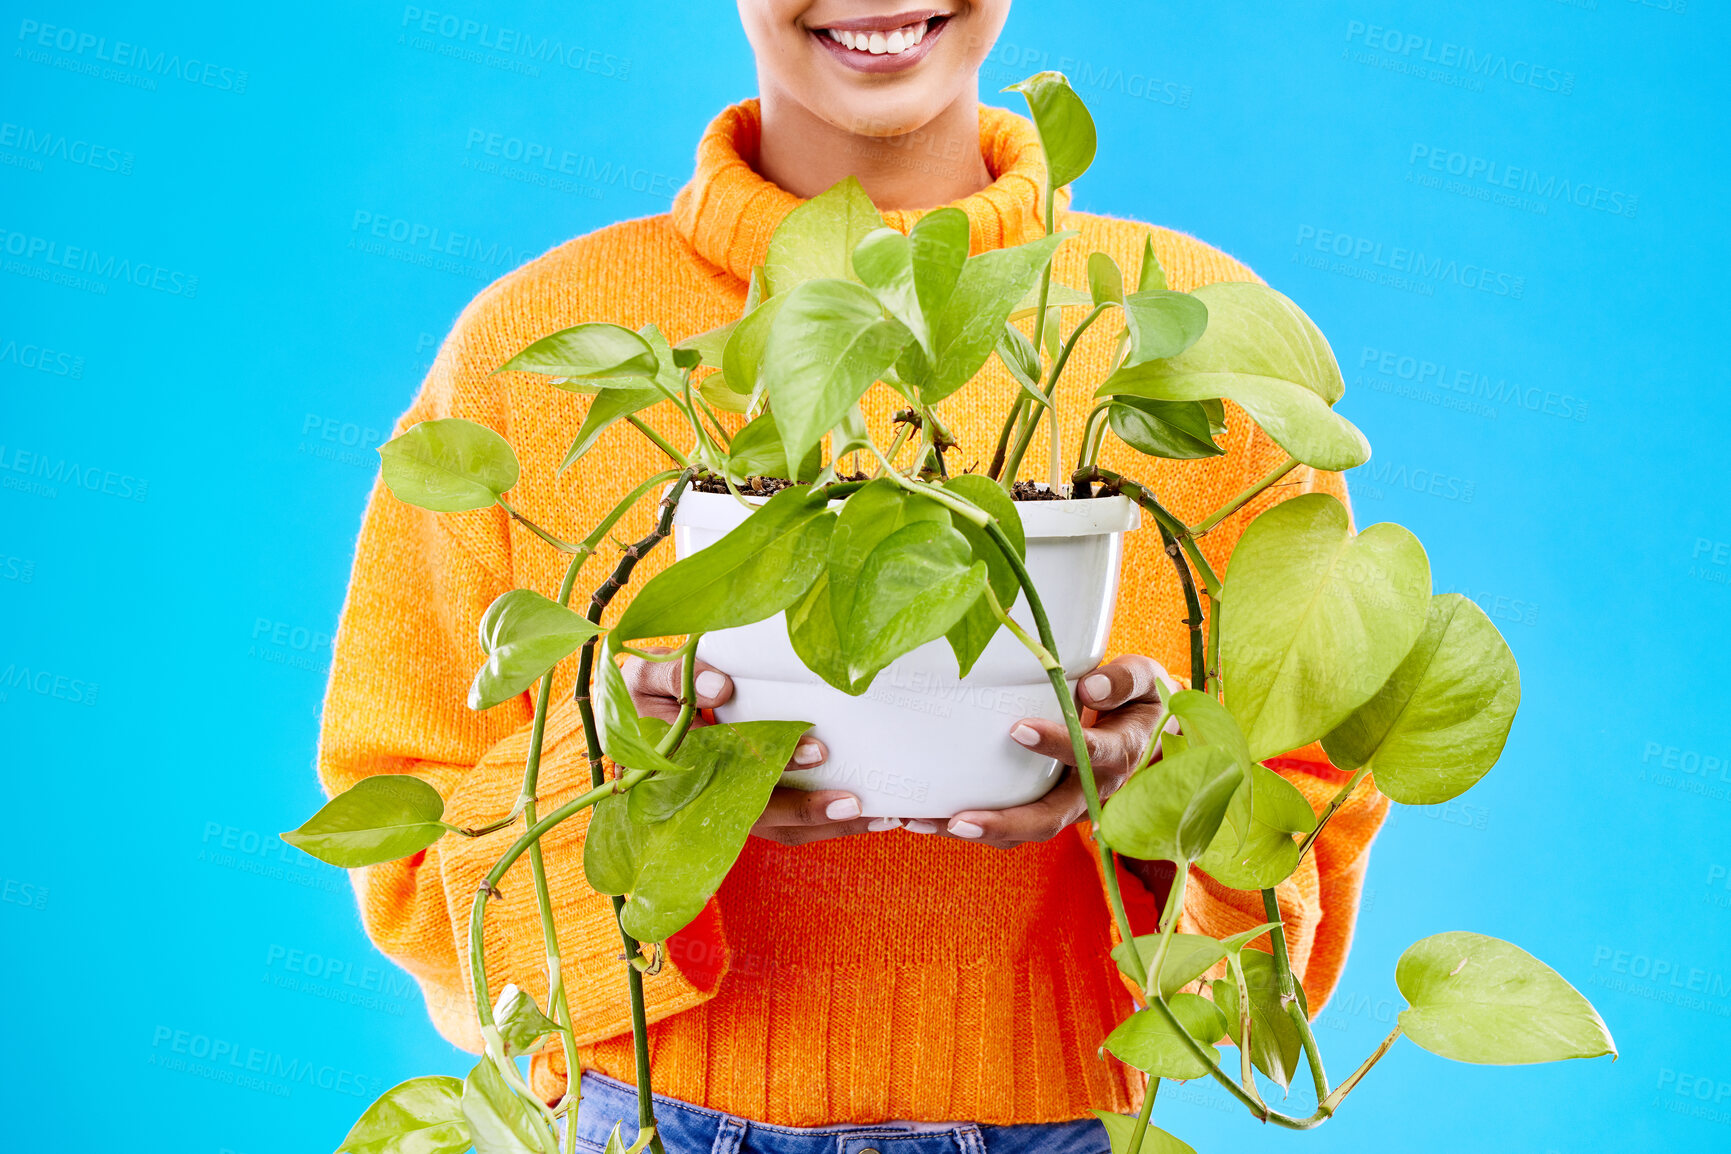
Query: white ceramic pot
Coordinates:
[922,742]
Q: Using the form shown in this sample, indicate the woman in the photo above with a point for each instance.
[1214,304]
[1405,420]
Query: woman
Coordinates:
[928,984]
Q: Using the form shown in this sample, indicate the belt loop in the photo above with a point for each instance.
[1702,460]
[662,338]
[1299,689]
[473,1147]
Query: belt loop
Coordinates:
[969,1139]
[728,1135]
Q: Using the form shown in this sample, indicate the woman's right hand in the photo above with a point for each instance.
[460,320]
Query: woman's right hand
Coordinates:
[793,816]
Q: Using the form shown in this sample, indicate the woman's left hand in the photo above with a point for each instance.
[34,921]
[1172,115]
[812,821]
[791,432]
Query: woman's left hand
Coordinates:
[1126,693]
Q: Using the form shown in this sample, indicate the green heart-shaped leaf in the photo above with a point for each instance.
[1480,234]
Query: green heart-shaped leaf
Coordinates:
[448,465]
[680,863]
[501,1122]
[1151,275]
[1261,351]
[1439,723]
[1175,430]
[913,587]
[969,636]
[521,1022]
[1254,848]
[1147,1041]
[1120,1128]
[1162,324]
[1478,999]
[1313,619]
[971,323]
[1066,129]
[761,566]
[816,240]
[378,819]
[420,1116]
[610,406]
[524,635]
[756,450]
[827,345]
[1170,810]
[1187,958]
[1275,1047]
[1105,282]
[587,351]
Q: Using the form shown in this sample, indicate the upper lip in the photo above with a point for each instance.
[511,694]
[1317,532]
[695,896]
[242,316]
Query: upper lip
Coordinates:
[881,23]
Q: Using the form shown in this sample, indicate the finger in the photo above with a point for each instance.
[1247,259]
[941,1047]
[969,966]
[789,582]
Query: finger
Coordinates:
[662,679]
[801,807]
[1131,677]
[808,754]
[806,834]
[1108,744]
[1039,820]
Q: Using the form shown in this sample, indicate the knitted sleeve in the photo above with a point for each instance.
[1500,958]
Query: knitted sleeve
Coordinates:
[406,650]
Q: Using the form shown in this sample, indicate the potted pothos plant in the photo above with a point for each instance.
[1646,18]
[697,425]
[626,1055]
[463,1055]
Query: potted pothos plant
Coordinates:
[853,553]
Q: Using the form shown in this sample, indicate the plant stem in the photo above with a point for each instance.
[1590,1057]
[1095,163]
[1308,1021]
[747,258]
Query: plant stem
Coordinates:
[1181,532]
[1246,1067]
[598,775]
[1026,436]
[1174,904]
[1332,1102]
[687,697]
[1288,989]
[996,469]
[1334,803]
[1142,1117]
[1192,605]
[562,546]
[558,1004]
[643,427]
[1073,724]
[1245,497]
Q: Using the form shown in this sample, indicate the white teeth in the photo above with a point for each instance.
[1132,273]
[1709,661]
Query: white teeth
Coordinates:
[878,43]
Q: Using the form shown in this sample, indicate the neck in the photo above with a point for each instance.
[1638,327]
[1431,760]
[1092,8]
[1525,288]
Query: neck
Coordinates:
[935,164]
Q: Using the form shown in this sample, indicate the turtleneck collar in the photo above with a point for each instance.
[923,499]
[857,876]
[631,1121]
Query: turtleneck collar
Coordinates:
[727,211]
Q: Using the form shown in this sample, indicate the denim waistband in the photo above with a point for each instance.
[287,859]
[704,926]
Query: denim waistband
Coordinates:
[688,1129]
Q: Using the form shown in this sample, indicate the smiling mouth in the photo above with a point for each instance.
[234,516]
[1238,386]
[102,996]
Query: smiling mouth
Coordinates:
[891,36]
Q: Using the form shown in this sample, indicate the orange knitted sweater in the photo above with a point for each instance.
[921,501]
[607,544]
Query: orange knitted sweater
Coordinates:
[882,976]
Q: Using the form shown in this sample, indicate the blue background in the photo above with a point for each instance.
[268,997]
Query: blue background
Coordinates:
[1543,387]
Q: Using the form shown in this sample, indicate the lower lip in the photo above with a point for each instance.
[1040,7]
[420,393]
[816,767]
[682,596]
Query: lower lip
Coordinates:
[866,62]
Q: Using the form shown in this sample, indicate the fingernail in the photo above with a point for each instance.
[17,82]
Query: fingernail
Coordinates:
[710,684]
[914,825]
[807,753]
[965,828]
[1025,735]
[1096,686]
[842,809]
[881,824]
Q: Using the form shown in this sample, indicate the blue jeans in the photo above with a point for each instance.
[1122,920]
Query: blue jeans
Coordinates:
[688,1129]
